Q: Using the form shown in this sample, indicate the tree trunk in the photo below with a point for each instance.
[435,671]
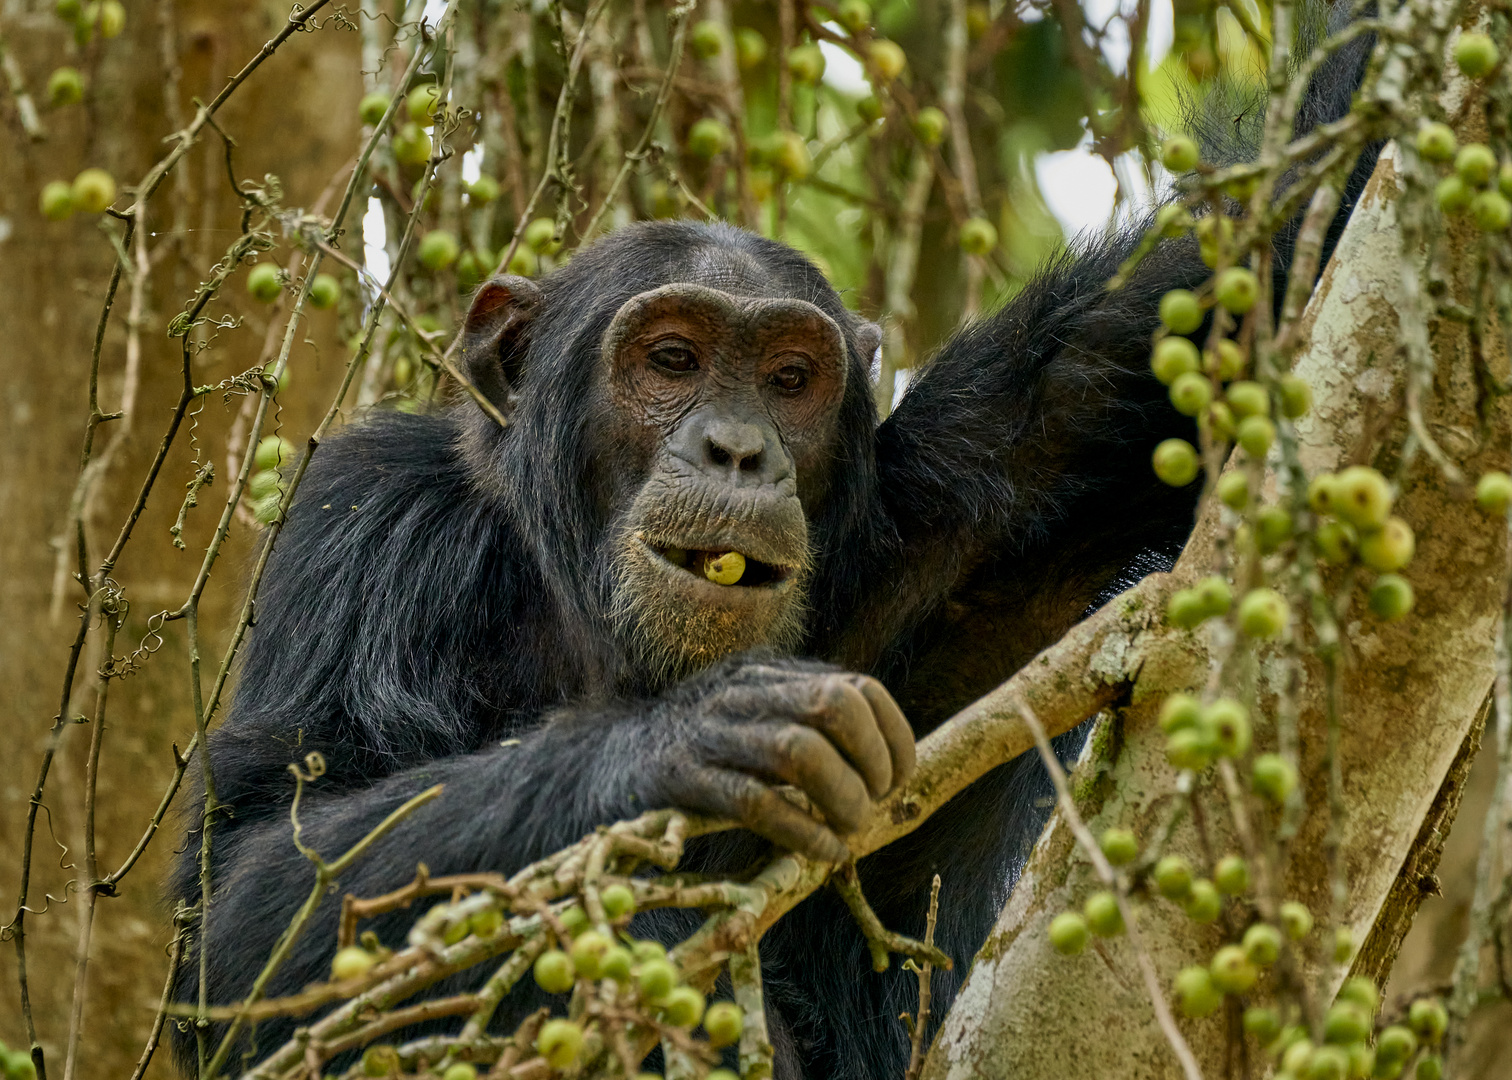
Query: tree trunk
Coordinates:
[1409,692]
[295,118]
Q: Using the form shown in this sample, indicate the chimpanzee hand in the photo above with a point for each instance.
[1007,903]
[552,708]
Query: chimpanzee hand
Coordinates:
[837,737]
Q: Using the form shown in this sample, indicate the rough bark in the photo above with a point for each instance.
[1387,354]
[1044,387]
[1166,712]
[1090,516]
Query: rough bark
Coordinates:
[1410,693]
[296,119]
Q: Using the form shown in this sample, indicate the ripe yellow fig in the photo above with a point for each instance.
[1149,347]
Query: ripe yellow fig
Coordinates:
[351,962]
[726,569]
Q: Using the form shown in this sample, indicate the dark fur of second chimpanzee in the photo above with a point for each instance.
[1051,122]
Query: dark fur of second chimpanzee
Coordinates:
[423,606]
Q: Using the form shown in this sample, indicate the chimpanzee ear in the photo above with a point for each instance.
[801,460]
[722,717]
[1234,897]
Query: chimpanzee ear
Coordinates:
[868,338]
[496,334]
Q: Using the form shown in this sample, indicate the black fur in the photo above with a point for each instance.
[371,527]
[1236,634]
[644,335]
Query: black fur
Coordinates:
[437,590]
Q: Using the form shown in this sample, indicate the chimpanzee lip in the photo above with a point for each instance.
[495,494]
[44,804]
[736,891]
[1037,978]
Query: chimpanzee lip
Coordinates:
[759,573]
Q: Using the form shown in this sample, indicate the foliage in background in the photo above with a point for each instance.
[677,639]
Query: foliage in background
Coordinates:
[499,136]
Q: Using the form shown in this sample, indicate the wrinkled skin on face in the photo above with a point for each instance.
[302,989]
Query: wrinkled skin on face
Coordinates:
[728,406]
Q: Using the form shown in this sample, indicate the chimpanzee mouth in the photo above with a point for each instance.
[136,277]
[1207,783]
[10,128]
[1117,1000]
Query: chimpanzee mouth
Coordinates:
[727,567]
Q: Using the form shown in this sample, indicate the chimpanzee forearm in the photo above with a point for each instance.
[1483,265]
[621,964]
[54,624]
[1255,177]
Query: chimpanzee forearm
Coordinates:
[711,744]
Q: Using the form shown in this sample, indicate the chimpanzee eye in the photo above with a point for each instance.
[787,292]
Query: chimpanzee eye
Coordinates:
[791,378]
[674,358]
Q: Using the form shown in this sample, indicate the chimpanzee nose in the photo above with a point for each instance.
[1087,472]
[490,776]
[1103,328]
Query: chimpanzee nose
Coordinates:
[730,444]
[738,450]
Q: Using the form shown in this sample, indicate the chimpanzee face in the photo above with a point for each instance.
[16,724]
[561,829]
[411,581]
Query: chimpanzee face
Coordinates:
[673,465]
[730,404]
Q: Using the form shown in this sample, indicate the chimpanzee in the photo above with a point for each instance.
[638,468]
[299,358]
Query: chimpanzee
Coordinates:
[691,567]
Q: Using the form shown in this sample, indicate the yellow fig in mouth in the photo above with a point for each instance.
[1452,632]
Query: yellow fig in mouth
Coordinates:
[725,569]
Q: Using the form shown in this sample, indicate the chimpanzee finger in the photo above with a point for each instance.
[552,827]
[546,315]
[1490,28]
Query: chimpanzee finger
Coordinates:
[894,726]
[798,755]
[844,714]
[730,794]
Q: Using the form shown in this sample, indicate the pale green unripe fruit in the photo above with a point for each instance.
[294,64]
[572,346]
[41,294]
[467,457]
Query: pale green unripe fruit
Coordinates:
[351,962]
[806,63]
[1476,55]
[1181,311]
[930,125]
[1429,1067]
[1388,548]
[1228,723]
[1191,393]
[1190,748]
[439,249]
[750,48]
[1226,360]
[1255,436]
[683,1007]
[460,1070]
[888,58]
[1185,609]
[1173,877]
[553,971]
[1262,944]
[1103,915]
[65,86]
[1396,1043]
[1231,875]
[1492,212]
[559,1042]
[1296,396]
[1195,993]
[706,39]
[1296,920]
[1247,399]
[978,236]
[855,15]
[1215,596]
[618,901]
[1273,778]
[1237,289]
[1232,971]
[1436,142]
[1264,613]
[1493,493]
[263,283]
[1345,1023]
[588,951]
[412,145]
[1362,497]
[423,102]
[1362,992]
[1427,1018]
[1475,164]
[56,200]
[1119,846]
[656,978]
[616,964]
[1204,902]
[1233,489]
[483,190]
[1179,711]
[1336,541]
[724,1023]
[273,452]
[707,138]
[1179,154]
[1453,195]
[1328,1063]
[93,191]
[1264,1024]
[1175,462]
[325,290]
[1273,525]
[371,108]
[1069,933]
[1172,358]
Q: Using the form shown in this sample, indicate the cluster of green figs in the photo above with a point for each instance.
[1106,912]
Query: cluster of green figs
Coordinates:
[1343,1043]
[604,958]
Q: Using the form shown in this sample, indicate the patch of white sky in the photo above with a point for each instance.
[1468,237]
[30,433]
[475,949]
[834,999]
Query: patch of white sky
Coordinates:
[1077,185]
